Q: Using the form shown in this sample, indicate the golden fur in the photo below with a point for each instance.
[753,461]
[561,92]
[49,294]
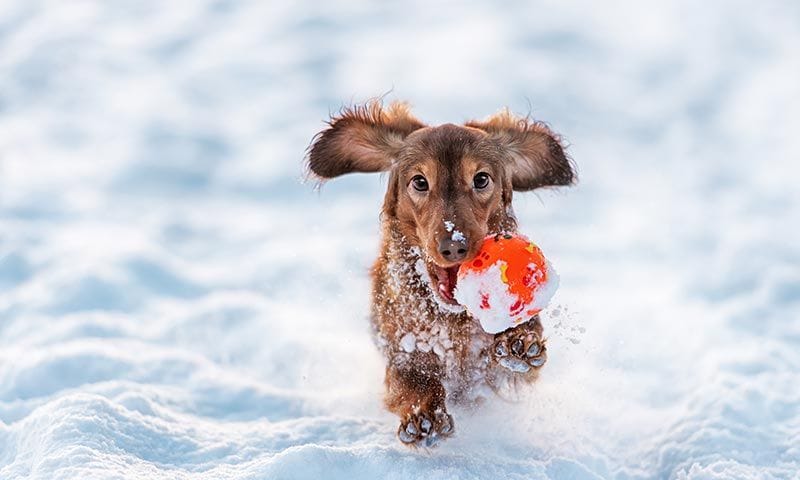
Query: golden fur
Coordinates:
[436,353]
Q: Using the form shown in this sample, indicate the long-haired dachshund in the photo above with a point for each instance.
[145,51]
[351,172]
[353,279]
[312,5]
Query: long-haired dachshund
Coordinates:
[449,187]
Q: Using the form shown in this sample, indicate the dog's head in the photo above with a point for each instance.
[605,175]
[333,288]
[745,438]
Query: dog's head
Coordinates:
[449,186]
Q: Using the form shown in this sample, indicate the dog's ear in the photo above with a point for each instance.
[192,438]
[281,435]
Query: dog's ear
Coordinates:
[362,138]
[534,154]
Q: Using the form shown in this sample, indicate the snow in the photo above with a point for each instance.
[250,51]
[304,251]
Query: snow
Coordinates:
[175,303]
[408,342]
[473,287]
[455,235]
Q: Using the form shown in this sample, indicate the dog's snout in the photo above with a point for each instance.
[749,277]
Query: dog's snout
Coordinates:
[453,250]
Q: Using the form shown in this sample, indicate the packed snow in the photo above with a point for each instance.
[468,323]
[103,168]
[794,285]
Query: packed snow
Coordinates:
[175,303]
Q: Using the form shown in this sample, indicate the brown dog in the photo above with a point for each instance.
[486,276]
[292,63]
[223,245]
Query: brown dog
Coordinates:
[449,187]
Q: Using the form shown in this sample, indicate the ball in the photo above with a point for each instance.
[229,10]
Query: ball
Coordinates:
[507,282]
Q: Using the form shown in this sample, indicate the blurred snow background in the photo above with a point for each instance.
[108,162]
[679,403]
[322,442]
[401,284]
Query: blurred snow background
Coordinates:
[174,303]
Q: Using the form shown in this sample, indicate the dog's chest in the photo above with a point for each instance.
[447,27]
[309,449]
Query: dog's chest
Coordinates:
[413,321]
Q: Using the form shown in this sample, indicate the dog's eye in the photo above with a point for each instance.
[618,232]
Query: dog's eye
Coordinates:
[419,183]
[481,180]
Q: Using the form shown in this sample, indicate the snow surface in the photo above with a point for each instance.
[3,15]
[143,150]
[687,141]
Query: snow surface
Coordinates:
[174,303]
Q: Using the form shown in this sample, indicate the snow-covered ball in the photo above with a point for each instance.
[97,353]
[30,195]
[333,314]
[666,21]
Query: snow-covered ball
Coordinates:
[507,282]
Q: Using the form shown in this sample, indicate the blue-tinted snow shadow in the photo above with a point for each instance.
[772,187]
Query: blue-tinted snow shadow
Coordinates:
[173,162]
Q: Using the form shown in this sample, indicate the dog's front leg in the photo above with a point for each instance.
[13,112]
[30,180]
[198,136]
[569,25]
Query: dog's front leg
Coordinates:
[415,393]
[522,348]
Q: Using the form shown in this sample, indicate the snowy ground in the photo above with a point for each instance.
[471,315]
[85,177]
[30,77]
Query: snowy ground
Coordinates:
[174,303]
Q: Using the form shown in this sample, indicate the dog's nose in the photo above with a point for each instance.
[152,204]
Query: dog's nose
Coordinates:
[453,250]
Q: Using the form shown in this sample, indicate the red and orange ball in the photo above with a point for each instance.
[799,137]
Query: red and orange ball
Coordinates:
[507,282]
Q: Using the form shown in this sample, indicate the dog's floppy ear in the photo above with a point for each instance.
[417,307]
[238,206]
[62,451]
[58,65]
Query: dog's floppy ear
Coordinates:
[362,138]
[534,153]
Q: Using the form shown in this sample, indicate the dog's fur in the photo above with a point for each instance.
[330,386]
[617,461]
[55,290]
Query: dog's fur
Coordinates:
[436,353]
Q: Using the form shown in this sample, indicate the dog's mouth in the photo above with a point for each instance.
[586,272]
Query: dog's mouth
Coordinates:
[445,280]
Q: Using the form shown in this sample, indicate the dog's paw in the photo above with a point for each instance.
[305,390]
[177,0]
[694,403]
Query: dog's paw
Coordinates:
[425,428]
[520,349]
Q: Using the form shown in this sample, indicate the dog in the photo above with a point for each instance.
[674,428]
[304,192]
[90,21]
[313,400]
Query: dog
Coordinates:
[449,187]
